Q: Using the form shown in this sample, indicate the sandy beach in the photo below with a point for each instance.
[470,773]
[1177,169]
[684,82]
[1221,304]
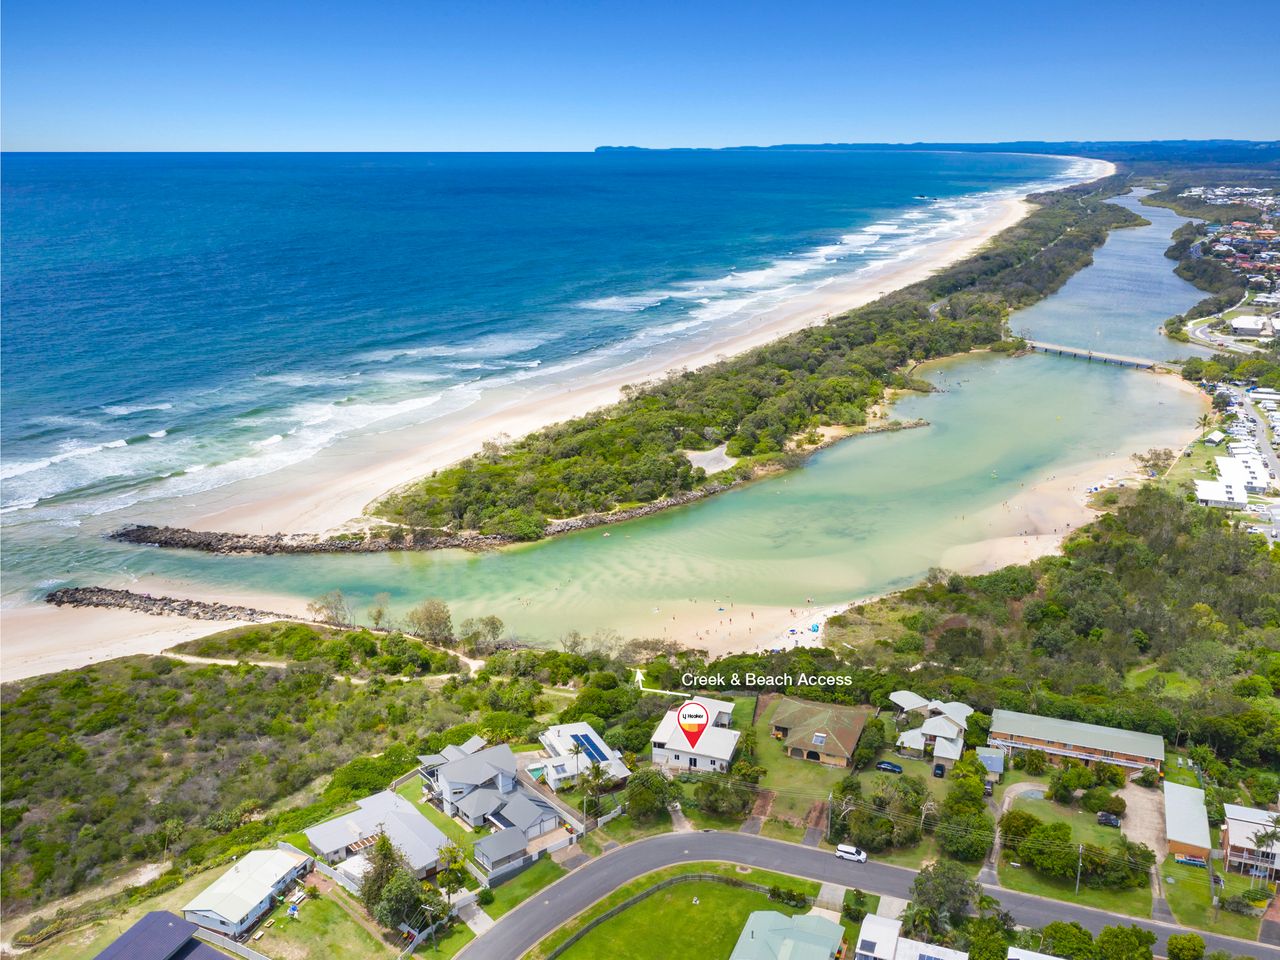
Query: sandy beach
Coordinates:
[332,490]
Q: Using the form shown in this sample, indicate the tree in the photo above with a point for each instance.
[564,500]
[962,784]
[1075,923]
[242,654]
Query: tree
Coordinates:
[966,836]
[923,922]
[1035,762]
[378,610]
[1068,940]
[331,608]
[648,793]
[401,900]
[985,939]
[1049,849]
[1125,943]
[945,888]
[1184,946]
[1155,461]
[451,873]
[1015,824]
[431,621]
[384,861]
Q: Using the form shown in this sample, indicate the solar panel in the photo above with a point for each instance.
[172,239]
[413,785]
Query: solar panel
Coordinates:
[589,747]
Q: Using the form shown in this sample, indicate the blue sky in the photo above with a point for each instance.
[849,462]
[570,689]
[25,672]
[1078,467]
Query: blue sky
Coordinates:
[459,75]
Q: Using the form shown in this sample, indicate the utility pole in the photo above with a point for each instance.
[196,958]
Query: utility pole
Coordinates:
[1079,864]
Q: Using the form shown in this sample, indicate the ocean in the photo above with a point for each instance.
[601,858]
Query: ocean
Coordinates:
[174,324]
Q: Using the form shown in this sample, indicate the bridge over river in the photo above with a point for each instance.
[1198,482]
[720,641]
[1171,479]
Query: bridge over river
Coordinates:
[1098,356]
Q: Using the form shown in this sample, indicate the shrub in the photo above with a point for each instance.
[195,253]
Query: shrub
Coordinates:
[1184,946]
[792,898]
[484,897]
[1147,778]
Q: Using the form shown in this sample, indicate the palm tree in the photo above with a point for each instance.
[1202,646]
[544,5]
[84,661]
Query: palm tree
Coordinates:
[924,923]
[1205,422]
[1264,837]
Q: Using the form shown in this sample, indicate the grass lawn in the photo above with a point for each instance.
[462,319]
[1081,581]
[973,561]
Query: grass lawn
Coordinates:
[1133,902]
[805,782]
[523,885]
[590,844]
[1186,888]
[743,708]
[763,877]
[870,903]
[624,829]
[323,929]
[1084,825]
[711,821]
[466,839]
[300,841]
[454,939]
[668,924]
[1175,683]
[776,829]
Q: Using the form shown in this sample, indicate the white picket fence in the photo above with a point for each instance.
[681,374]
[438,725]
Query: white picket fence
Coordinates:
[225,943]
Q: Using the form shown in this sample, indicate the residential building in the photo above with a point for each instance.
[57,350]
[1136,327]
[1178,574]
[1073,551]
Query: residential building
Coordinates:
[1215,493]
[821,732]
[1186,822]
[716,746]
[769,935]
[500,849]
[238,899]
[942,733]
[1020,953]
[879,938]
[571,750]
[993,759]
[1242,847]
[1089,742]
[345,838]
[1248,325]
[160,935]
[1249,471]
[1215,438]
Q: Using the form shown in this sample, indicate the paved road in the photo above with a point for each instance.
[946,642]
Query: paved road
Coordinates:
[517,932]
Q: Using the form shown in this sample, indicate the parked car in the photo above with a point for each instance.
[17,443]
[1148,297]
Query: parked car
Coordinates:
[888,766]
[856,854]
[1108,819]
[939,770]
[988,788]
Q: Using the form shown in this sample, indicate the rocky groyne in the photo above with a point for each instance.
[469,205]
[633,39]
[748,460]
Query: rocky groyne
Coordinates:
[157,606]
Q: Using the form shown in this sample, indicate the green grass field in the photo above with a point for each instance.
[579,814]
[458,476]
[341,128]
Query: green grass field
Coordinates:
[624,829]
[762,877]
[1186,889]
[1175,683]
[323,929]
[454,939]
[798,784]
[1134,902]
[1084,825]
[522,886]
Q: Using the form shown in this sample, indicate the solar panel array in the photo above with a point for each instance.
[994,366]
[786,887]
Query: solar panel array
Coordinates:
[589,747]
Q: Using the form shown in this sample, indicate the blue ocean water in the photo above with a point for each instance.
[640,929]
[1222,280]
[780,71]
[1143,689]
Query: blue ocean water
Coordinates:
[174,323]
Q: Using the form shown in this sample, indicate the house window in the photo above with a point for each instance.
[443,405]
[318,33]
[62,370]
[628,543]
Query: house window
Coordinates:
[819,739]
[693,761]
[677,756]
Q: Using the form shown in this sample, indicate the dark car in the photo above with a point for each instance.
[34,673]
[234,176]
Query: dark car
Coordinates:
[939,770]
[888,766]
[1108,819]
[988,788]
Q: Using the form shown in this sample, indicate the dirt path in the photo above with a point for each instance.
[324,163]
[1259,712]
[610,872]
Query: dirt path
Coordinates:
[134,878]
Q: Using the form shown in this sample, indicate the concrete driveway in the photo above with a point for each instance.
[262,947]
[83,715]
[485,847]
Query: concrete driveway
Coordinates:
[1144,818]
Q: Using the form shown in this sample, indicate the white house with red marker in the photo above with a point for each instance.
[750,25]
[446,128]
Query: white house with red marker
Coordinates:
[696,735]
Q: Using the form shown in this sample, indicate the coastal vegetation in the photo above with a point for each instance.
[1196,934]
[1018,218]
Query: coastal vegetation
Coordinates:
[764,405]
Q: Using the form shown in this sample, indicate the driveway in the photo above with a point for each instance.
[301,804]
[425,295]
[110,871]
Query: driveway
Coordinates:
[1144,818]
[519,930]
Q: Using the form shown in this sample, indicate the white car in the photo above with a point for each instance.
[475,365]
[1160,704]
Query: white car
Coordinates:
[856,854]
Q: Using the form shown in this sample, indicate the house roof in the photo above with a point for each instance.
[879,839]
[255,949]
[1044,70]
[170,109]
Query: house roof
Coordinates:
[878,937]
[907,700]
[1244,823]
[1072,732]
[252,879]
[453,752]
[481,767]
[1185,817]
[159,935]
[412,833]
[948,748]
[501,844]
[558,740]
[954,709]
[716,742]
[840,725]
[480,803]
[769,935]
[912,739]
[523,811]
[942,726]
[992,758]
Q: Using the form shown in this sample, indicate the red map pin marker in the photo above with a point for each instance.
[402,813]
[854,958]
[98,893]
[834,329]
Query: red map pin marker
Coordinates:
[693,718]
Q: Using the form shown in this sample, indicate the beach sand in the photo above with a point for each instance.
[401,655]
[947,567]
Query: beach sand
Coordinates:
[331,490]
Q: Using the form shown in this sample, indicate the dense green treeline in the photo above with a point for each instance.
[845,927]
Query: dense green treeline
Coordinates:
[826,375]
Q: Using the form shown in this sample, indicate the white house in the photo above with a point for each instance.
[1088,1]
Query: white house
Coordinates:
[941,734]
[1215,438]
[233,903]
[716,745]
[1241,846]
[879,938]
[1248,325]
[571,750]
[1248,471]
[345,838]
[1215,493]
